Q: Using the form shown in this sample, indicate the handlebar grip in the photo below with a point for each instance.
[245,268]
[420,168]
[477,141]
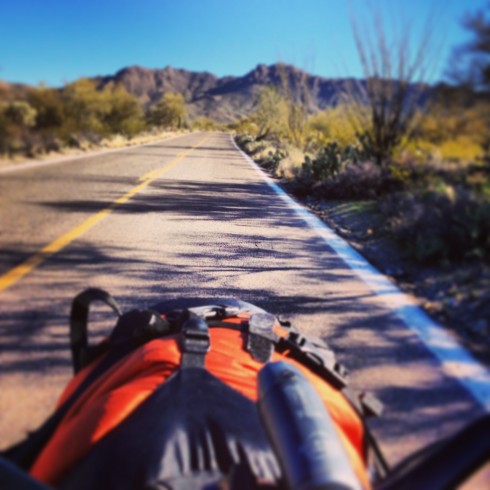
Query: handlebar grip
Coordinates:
[302,432]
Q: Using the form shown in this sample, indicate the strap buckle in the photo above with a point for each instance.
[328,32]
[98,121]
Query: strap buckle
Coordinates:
[261,337]
[194,342]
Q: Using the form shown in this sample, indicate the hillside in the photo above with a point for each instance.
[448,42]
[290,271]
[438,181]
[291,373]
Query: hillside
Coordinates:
[223,99]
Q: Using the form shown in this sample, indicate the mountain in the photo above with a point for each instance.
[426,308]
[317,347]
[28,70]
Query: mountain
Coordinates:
[227,98]
[223,99]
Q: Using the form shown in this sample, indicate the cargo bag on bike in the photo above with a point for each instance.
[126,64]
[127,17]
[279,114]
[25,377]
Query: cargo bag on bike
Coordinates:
[201,394]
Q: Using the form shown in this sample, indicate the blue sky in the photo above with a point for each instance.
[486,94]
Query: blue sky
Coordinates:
[58,41]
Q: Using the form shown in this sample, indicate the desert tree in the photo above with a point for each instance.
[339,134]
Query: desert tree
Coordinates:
[470,65]
[16,119]
[49,106]
[84,107]
[293,87]
[469,69]
[169,111]
[20,113]
[123,113]
[271,113]
[396,66]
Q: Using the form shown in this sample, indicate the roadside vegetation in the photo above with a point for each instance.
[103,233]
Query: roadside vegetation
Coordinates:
[38,121]
[415,157]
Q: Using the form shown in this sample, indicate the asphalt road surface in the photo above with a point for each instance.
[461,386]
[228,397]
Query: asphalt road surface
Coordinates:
[191,217]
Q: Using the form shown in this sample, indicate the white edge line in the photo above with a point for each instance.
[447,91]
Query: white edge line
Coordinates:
[45,163]
[456,361]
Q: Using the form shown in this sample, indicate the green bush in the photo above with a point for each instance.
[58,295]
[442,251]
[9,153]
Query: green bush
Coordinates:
[246,142]
[20,113]
[169,112]
[78,115]
[272,160]
[329,162]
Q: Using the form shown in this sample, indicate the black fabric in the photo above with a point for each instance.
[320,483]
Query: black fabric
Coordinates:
[446,464]
[316,355]
[13,478]
[80,349]
[193,428]
[138,327]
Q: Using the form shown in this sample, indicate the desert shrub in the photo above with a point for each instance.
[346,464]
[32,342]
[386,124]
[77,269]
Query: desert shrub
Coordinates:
[123,114]
[20,113]
[250,145]
[49,106]
[290,166]
[385,104]
[244,126]
[358,181]
[52,144]
[463,149]
[255,148]
[16,120]
[444,224]
[204,123]
[326,164]
[268,154]
[330,125]
[272,160]
[243,140]
[84,108]
[329,161]
[170,111]
[4,125]
[78,115]
[453,128]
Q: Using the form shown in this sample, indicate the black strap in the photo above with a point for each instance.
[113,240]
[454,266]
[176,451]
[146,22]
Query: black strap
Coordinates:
[261,338]
[194,342]
[137,327]
[315,355]
[80,349]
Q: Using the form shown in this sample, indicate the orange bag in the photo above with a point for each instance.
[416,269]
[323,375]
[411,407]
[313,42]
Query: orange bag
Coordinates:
[106,394]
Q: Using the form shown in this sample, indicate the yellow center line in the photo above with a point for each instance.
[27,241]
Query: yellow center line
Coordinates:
[17,273]
[148,175]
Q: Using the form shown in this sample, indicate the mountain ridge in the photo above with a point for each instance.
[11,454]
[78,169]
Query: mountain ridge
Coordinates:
[227,98]
[224,99]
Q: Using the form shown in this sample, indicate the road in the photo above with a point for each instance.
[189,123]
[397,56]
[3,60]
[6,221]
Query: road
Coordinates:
[191,217]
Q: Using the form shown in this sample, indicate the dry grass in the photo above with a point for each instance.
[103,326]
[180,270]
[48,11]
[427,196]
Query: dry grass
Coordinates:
[291,164]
